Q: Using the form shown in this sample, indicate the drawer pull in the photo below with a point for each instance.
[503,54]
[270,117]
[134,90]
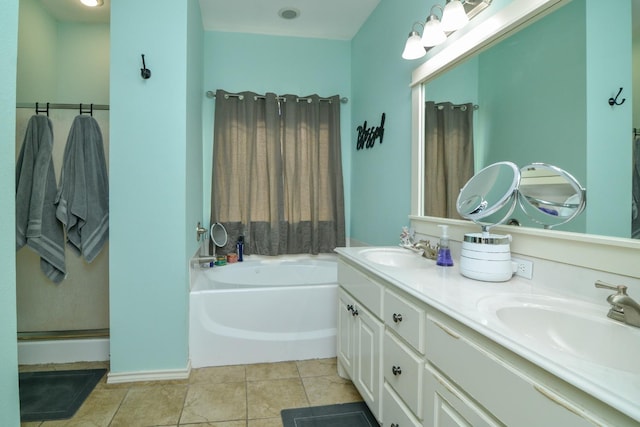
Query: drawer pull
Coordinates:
[556,400]
[354,312]
[395,425]
[397,318]
[396,370]
[447,331]
[350,307]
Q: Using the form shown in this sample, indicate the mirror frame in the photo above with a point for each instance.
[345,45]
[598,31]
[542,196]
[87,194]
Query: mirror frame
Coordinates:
[608,254]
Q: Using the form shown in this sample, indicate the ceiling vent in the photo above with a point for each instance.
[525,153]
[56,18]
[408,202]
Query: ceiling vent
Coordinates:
[288,13]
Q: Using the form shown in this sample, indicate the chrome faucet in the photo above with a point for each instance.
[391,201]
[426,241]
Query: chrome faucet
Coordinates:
[429,251]
[623,308]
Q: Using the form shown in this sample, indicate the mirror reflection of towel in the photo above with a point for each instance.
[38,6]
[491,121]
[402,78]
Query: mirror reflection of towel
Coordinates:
[36,222]
[83,197]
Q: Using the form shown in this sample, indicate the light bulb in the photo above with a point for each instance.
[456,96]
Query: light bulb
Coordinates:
[413,49]
[454,16]
[92,3]
[433,33]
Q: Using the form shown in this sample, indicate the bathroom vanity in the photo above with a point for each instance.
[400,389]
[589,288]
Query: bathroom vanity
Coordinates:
[428,347]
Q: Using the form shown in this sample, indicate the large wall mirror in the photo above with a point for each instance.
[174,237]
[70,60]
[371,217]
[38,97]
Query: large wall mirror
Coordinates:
[541,73]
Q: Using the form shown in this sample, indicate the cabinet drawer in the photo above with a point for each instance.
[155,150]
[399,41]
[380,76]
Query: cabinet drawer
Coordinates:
[405,318]
[402,369]
[507,393]
[394,412]
[445,405]
[362,287]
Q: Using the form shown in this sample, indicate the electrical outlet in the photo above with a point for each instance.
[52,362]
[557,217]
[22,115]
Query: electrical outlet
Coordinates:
[525,268]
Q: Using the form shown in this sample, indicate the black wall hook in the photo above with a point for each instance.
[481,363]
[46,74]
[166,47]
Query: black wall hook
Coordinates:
[614,101]
[144,71]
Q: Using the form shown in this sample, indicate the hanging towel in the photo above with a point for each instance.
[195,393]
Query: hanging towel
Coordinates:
[36,222]
[83,197]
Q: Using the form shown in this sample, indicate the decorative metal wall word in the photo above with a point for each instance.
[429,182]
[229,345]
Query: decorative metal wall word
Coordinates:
[367,136]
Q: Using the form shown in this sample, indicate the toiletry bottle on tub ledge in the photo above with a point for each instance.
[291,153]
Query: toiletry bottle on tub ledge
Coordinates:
[240,247]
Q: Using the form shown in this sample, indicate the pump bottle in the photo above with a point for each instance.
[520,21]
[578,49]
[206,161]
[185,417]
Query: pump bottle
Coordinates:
[444,253]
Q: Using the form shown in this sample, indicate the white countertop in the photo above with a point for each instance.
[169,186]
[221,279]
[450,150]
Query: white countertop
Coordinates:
[446,290]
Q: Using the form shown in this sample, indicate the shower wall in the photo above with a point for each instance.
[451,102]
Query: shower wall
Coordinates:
[81,301]
[61,62]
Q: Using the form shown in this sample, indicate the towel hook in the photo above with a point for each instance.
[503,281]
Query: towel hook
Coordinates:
[39,110]
[85,111]
[614,101]
[144,71]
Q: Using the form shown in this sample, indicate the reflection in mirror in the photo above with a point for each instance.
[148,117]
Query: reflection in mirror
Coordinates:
[549,195]
[539,104]
[489,198]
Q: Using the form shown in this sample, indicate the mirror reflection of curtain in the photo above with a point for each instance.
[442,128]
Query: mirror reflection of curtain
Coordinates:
[277,173]
[448,156]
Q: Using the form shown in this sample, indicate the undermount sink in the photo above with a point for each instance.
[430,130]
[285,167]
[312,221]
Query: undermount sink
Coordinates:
[564,326]
[394,257]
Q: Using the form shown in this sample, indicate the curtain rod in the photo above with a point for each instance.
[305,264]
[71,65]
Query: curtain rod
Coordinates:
[53,106]
[212,94]
[461,106]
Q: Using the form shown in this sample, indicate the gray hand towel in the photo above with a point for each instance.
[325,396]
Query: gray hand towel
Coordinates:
[83,197]
[36,222]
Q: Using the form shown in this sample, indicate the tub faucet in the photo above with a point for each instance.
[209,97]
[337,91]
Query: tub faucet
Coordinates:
[430,252]
[623,308]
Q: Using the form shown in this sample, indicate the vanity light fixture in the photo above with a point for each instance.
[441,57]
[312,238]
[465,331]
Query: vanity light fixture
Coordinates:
[414,49]
[433,33]
[92,3]
[455,15]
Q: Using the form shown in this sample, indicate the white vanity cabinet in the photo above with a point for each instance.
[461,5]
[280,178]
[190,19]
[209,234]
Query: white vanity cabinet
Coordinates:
[360,333]
[416,366]
[471,381]
[403,358]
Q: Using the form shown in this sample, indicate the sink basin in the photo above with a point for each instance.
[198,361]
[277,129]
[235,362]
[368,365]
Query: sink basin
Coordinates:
[578,329]
[394,257]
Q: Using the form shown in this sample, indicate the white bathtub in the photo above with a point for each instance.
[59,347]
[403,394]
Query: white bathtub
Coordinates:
[265,309]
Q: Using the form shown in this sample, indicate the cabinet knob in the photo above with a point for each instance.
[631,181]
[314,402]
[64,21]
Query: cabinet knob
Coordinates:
[396,370]
[350,307]
[354,312]
[395,425]
[397,318]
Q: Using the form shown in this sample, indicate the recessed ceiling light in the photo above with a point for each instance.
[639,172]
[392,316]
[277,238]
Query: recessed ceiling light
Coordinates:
[92,3]
[288,13]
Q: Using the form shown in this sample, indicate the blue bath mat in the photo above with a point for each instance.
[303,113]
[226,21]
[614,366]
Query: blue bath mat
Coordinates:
[343,415]
[55,395]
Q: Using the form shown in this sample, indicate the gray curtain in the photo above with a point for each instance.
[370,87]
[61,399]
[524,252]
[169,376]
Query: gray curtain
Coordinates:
[448,156]
[277,173]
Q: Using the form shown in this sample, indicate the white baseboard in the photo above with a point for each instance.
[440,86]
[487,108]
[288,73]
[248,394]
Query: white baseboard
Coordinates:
[163,375]
[63,351]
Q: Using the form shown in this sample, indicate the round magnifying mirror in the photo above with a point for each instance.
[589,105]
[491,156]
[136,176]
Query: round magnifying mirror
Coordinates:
[489,197]
[219,234]
[550,195]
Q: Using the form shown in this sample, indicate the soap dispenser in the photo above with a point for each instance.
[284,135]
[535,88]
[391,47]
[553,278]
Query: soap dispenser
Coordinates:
[444,253]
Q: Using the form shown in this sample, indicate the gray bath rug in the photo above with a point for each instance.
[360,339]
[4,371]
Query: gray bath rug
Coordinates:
[343,415]
[55,395]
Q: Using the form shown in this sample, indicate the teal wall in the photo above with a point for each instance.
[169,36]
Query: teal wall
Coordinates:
[9,404]
[38,45]
[283,65]
[381,176]
[609,128]
[61,61]
[151,159]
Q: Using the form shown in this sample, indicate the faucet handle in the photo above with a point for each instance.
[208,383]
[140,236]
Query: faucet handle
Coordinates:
[620,289]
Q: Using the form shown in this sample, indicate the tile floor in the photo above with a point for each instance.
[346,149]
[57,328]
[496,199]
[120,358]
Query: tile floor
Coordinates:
[228,396]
